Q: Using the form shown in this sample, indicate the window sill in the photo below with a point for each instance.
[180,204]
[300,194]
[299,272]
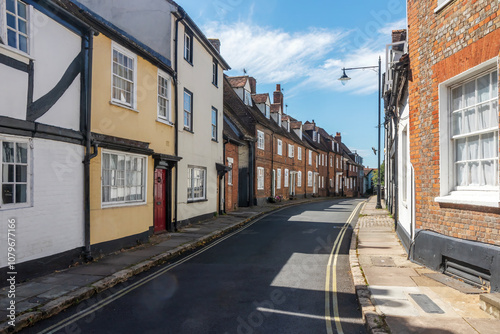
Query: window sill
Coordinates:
[164,121]
[215,140]
[17,54]
[474,198]
[121,205]
[121,105]
[197,200]
[216,86]
[441,6]
[7,207]
[189,62]
[188,130]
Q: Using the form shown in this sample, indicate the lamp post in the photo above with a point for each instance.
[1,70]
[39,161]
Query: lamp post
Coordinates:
[344,78]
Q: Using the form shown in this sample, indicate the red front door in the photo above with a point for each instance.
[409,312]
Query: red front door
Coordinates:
[160,200]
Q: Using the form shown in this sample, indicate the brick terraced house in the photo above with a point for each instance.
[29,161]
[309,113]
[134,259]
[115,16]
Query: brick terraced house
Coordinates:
[453,108]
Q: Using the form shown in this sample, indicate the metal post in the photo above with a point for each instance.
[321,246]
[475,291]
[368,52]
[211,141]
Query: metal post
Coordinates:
[379,204]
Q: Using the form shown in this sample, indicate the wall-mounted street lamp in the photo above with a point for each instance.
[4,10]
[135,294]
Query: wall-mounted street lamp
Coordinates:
[344,78]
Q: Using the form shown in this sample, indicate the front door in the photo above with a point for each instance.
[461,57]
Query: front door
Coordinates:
[160,211]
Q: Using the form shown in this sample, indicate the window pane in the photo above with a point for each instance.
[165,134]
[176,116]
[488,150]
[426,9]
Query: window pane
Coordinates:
[470,93]
[494,84]
[484,117]
[488,169]
[21,26]
[460,149]
[11,38]
[21,173]
[21,153]
[105,194]
[473,148]
[21,193]
[21,9]
[457,98]
[23,43]
[489,146]
[7,173]
[483,88]
[11,6]
[8,152]
[470,120]
[474,173]
[11,21]
[8,193]
[457,123]
[461,175]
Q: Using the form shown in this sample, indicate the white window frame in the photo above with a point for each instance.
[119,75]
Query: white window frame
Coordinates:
[215,72]
[299,153]
[214,124]
[188,46]
[144,180]
[247,98]
[129,54]
[230,172]
[479,196]
[404,165]
[189,127]
[260,178]
[310,157]
[290,151]
[191,170]
[267,111]
[29,172]
[285,180]
[317,160]
[167,98]
[280,147]
[441,4]
[309,179]
[260,140]
[278,179]
[4,28]
[299,179]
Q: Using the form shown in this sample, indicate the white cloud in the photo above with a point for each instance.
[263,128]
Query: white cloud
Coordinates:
[273,55]
[389,27]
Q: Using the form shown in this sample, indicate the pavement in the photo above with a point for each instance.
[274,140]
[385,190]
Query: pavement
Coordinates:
[399,296]
[395,295]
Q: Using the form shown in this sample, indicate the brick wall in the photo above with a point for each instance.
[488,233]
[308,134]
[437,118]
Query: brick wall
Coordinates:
[442,45]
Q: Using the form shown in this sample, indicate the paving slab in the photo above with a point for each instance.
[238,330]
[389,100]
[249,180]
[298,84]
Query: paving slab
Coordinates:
[97,269]
[421,325]
[485,326]
[32,289]
[58,291]
[382,261]
[122,259]
[65,277]
[389,276]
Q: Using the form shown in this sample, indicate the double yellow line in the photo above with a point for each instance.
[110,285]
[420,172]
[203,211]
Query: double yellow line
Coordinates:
[331,276]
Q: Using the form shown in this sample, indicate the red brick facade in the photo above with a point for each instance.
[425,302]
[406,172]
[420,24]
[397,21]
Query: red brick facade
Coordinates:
[442,45]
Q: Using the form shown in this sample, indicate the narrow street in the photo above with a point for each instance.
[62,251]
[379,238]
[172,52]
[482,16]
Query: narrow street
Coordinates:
[270,277]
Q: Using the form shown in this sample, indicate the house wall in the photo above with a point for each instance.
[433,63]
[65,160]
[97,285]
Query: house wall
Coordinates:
[263,158]
[442,45]
[130,15]
[197,148]
[131,222]
[50,225]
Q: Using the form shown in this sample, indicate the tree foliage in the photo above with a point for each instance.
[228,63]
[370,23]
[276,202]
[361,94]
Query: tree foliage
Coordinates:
[382,175]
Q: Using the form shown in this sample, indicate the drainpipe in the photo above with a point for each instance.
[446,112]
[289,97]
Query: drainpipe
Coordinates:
[224,142]
[251,175]
[88,45]
[176,107]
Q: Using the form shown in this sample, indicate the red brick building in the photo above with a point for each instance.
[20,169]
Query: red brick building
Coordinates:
[453,105]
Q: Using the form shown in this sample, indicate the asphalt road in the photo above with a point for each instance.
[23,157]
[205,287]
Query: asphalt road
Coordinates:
[269,277]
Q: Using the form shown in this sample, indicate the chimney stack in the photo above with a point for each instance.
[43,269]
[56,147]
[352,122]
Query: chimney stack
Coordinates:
[253,85]
[338,137]
[278,97]
[216,43]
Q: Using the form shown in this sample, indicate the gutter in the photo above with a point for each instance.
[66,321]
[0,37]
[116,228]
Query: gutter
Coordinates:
[176,107]
[88,45]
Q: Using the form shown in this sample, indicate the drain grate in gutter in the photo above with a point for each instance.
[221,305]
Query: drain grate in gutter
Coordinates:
[426,303]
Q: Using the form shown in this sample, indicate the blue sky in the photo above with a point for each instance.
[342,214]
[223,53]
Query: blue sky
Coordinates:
[303,45]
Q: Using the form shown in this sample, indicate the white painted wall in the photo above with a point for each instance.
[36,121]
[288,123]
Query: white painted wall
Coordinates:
[404,207]
[197,148]
[54,221]
[50,65]
[13,91]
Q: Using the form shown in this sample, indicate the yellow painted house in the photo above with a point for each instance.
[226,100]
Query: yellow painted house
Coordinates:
[133,137]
